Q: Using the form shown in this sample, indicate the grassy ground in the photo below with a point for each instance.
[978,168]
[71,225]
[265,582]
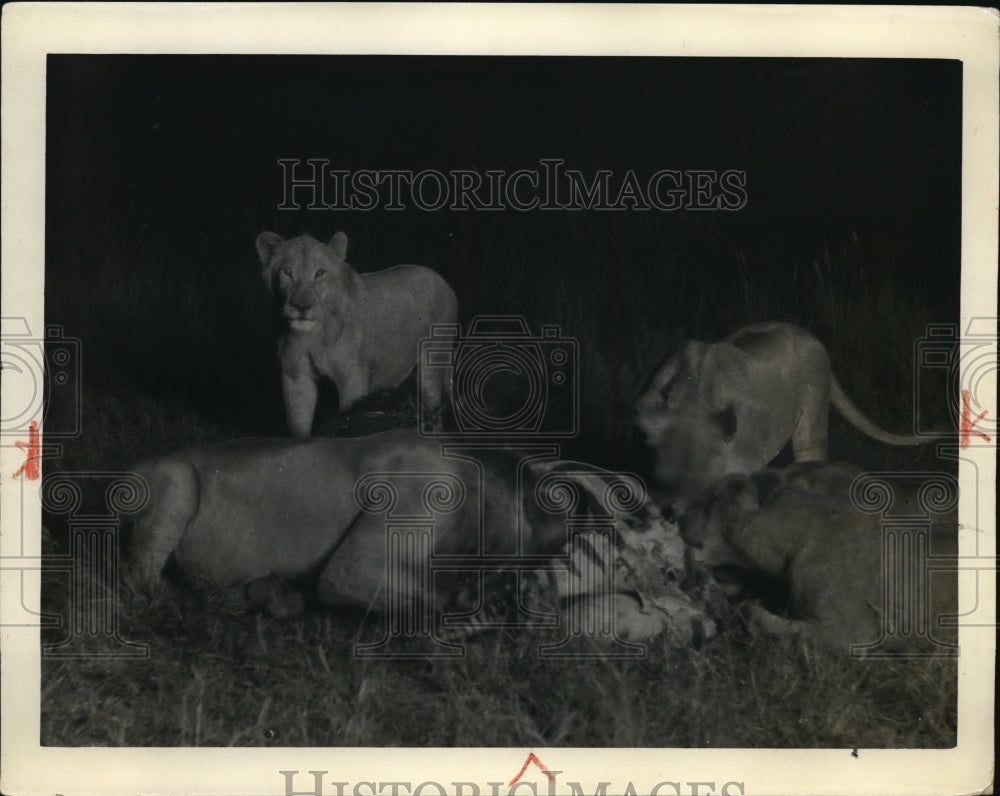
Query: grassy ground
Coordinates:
[219,676]
[176,346]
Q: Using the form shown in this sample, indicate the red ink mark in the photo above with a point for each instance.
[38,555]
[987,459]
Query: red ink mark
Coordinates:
[31,469]
[532,758]
[968,423]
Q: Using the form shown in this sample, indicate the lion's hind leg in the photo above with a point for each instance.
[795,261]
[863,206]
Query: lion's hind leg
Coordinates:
[811,432]
[156,532]
[383,571]
[358,570]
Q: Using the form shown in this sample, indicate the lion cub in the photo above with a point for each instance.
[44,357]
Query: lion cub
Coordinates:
[852,584]
[360,331]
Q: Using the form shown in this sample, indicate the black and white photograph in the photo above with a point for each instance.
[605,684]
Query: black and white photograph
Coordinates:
[568,400]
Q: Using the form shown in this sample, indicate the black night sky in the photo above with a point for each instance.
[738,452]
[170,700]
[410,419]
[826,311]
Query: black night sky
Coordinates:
[814,135]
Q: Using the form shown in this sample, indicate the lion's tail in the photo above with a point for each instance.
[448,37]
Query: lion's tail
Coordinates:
[857,418]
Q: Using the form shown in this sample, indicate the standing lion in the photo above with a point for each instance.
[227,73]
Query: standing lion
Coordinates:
[728,408]
[360,331]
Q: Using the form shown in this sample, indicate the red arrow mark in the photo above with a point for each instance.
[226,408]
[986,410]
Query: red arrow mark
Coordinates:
[532,758]
[968,423]
[31,469]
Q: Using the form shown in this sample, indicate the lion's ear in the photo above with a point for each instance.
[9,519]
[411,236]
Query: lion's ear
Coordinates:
[267,242]
[659,386]
[338,243]
[769,483]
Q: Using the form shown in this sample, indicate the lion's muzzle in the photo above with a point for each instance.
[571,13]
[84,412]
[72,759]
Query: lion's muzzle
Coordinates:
[301,324]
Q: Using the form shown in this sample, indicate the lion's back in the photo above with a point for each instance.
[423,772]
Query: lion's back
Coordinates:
[417,293]
[402,304]
[244,509]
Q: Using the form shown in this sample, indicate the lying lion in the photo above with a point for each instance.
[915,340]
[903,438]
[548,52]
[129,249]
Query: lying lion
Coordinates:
[715,409]
[254,512]
[360,331]
[801,525]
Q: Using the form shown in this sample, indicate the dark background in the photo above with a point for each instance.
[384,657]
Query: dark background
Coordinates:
[161,171]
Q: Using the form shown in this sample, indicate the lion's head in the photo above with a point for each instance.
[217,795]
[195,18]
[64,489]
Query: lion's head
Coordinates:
[691,422]
[706,528]
[304,276]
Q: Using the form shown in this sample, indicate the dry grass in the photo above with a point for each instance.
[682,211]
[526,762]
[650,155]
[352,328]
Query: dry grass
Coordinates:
[219,676]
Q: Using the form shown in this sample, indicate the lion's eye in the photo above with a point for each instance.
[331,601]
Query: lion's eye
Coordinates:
[320,272]
[286,271]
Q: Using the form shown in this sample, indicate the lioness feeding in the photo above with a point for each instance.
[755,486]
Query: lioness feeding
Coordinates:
[253,511]
[716,409]
[360,331]
[851,583]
